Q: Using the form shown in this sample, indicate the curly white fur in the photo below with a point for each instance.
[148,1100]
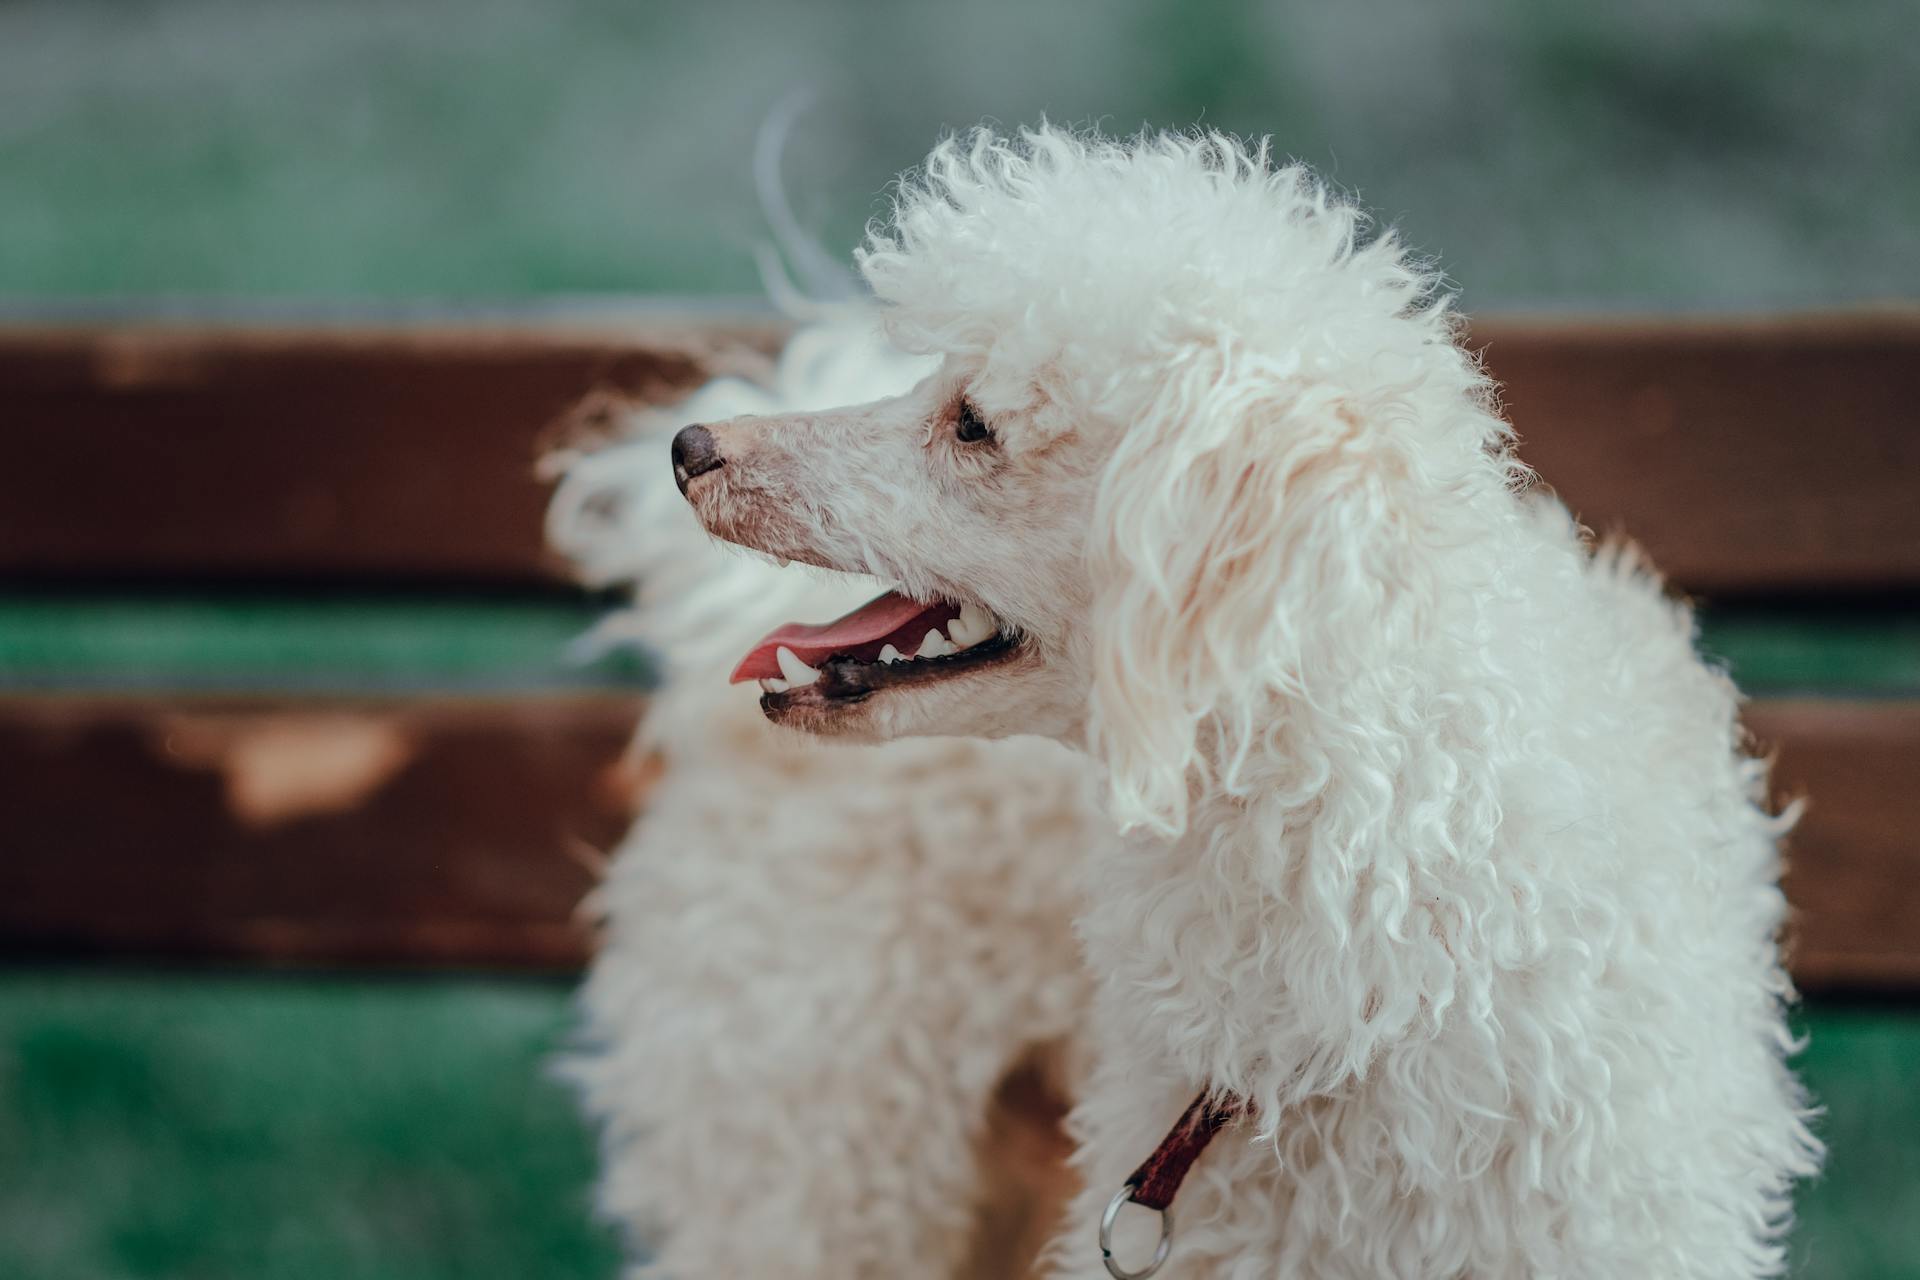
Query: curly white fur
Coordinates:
[1443,851]
[816,963]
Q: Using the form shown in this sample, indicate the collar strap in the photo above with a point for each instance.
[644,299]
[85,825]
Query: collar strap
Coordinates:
[1155,1183]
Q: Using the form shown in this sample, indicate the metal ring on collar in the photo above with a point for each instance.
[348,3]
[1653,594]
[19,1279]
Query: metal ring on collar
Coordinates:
[1114,1269]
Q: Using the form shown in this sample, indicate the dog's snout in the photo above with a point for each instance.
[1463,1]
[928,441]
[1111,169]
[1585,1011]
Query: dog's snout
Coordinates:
[695,452]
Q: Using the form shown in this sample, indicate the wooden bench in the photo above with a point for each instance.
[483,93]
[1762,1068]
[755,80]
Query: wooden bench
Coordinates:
[185,776]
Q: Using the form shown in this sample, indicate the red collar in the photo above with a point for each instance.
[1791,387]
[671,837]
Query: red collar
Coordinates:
[1155,1183]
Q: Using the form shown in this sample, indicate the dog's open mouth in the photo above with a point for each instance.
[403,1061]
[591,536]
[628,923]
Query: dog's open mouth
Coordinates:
[888,642]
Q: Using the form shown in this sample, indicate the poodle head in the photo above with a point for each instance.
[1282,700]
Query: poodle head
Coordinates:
[1191,440]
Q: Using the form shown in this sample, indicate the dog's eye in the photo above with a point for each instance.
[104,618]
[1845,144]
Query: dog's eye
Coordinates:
[969,427]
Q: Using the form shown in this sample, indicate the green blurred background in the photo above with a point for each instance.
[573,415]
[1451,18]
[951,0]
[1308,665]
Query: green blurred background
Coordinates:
[357,155]
[1644,153]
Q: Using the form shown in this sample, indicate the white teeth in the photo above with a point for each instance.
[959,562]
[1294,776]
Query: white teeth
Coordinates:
[890,654]
[782,561]
[770,685]
[798,673]
[972,626]
[934,645]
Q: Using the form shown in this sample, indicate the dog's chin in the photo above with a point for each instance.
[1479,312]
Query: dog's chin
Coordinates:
[980,692]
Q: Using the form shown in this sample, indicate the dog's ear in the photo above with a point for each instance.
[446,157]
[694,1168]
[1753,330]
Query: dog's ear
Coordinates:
[1251,531]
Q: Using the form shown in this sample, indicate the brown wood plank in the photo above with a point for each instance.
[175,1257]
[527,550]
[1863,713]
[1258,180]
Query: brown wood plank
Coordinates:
[459,833]
[1854,862]
[1749,456]
[136,452]
[398,832]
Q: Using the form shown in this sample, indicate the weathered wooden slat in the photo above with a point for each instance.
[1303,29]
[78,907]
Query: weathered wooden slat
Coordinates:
[1749,456]
[1752,456]
[461,833]
[1854,861]
[386,832]
[137,453]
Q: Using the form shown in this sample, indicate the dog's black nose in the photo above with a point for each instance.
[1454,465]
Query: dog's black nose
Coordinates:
[695,452]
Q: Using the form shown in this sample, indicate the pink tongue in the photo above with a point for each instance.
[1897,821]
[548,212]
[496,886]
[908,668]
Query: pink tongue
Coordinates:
[892,618]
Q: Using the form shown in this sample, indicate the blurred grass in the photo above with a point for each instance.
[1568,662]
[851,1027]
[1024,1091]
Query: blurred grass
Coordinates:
[1649,153]
[241,1128]
[1861,1219]
[363,645]
[215,1127]
[306,646]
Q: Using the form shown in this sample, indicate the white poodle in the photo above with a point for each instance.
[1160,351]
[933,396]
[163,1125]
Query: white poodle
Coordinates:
[1444,875]
[818,964]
